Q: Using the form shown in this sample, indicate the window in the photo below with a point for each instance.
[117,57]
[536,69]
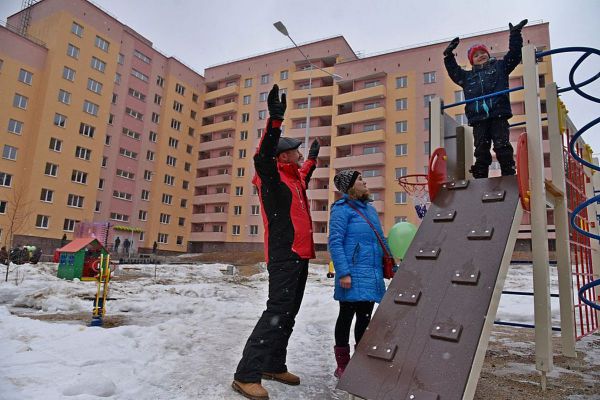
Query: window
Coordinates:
[150,155]
[51,169]
[177,106]
[55,144]
[79,177]
[98,64]
[181,221]
[371,84]
[401,104]
[235,230]
[194,97]
[283,75]
[157,99]
[138,95]
[401,82]
[125,174]
[262,114]
[90,108]
[370,127]
[248,82]
[72,51]
[237,210]
[135,114]
[102,44]
[172,161]
[132,134]
[122,195]
[68,74]
[189,148]
[241,172]
[246,99]
[160,81]
[370,173]
[242,153]
[86,130]
[426,148]
[401,126]
[9,152]
[169,180]
[60,120]
[104,161]
[400,172]
[185,185]
[128,153]
[148,175]
[139,75]
[459,95]
[153,136]
[239,190]
[183,203]
[263,96]
[77,29]
[42,221]
[145,195]
[370,106]
[426,124]
[119,217]
[371,150]
[155,117]
[163,238]
[427,99]
[175,124]
[120,59]
[142,56]
[173,142]
[400,197]
[180,89]
[143,215]
[187,167]
[167,198]
[429,77]
[165,218]
[83,153]
[3,205]
[243,134]
[117,78]
[74,200]
[64,96]
[217,228]
[255,209]
[264,79]
[69,225]
[401,149]
[5,179]
[20,101]
[101,184]
[245,117]
[98,206]
[191,131]
[94,86]
[111,118]
[400,218]
[15,126]
[26,76]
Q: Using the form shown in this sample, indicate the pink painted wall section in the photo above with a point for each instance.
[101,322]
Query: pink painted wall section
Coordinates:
[21,49]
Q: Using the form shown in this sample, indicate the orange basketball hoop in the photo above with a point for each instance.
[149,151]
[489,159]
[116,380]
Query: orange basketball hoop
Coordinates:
[415,186]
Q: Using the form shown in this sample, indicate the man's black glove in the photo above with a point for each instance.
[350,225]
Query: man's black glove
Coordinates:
[453,44]
[313,152]
[276,107]
[518,27]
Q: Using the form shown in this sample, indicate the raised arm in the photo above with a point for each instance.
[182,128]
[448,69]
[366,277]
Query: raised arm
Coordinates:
[515,43]
[455,72]
[309,165]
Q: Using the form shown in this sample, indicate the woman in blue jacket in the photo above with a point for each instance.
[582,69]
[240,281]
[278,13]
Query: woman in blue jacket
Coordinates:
[357,259]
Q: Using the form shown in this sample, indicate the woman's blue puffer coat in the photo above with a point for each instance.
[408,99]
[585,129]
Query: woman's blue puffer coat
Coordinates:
[355,251]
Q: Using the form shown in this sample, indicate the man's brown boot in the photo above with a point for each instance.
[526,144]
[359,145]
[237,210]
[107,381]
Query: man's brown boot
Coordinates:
[251,390]
[284,377]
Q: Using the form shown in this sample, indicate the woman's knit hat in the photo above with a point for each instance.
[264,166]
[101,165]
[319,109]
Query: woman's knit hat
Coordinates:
[474,48]
[344,180]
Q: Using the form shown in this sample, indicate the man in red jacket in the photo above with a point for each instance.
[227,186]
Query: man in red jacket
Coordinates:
[281,181]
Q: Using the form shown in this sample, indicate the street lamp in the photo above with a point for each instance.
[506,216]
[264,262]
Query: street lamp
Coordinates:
[281,28]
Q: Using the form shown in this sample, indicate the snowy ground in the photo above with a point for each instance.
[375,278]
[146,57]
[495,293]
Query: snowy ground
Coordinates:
[180,334]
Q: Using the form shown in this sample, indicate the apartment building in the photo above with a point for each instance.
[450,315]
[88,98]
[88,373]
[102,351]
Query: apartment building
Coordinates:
[99,126]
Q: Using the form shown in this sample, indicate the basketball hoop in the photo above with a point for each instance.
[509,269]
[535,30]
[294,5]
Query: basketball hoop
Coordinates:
[416,187]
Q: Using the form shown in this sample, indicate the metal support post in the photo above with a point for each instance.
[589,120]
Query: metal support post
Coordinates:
[436,124]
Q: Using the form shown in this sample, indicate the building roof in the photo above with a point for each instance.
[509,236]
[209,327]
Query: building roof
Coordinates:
[79,244]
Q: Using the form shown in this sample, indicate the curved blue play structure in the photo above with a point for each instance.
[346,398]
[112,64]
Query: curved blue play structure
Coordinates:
[587,51]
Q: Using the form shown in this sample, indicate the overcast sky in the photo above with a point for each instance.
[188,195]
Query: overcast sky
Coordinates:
[202,33]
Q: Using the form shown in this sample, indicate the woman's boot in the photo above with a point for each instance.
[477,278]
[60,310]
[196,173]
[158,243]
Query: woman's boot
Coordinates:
[342,357]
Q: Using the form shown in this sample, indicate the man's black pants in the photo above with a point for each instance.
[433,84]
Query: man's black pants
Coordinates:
[266,348]
[485,132]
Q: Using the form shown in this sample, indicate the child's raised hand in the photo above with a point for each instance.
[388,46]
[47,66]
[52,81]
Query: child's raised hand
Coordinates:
[453,45]
[518,27]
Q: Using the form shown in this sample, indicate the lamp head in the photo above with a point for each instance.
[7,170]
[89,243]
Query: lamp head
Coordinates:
[281,28]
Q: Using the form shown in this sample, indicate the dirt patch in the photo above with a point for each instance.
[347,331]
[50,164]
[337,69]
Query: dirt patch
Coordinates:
[108,321]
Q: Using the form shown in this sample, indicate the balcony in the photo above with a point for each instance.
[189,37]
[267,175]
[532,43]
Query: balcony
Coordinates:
[319,216]
[359,161]
[312,73]
[320,238]
[375,92]
[359,138]
[321,173]
[212,198]
[220,109]
[208,237]
[359,116]
[314,131]
[375,182]
[318,194]
[325,111]
[220,179]
[209,217]
[322,91]
[214,162]
[217,144]
[219,126]
[226,91]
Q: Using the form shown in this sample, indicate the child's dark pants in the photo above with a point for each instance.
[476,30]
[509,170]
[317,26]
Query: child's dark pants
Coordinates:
[485,132]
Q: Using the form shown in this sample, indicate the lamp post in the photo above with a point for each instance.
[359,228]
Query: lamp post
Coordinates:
[283,30]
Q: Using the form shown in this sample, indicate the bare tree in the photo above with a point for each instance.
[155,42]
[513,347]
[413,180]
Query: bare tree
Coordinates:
[19,209]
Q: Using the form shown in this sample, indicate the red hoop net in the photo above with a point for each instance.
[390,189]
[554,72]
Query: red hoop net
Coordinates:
[416,187]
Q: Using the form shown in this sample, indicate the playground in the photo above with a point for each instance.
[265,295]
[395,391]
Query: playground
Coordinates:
[188,320]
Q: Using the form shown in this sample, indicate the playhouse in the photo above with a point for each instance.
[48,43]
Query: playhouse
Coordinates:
[77,259]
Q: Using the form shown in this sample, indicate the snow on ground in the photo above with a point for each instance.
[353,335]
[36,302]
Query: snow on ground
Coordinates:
[179,333]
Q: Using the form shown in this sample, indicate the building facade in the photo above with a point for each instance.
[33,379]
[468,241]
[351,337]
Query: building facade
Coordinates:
[97,125]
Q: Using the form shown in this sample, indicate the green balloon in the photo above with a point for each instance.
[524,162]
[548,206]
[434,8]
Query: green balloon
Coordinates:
[400,237]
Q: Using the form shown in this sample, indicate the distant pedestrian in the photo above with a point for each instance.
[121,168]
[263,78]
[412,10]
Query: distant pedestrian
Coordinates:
[64,240]
[117,244]
[126,245]
[154,247]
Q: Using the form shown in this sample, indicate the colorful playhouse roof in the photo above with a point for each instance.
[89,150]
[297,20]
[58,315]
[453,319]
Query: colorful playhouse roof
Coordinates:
[79,244]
